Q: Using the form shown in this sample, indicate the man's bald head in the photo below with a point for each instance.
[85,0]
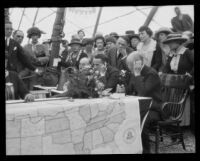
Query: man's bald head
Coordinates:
[84,63]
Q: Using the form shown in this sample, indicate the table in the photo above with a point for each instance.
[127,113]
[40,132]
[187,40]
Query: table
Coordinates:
[52,90]
[79,126]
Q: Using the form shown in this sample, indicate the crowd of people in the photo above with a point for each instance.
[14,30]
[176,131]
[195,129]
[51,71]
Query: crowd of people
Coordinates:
[143,56]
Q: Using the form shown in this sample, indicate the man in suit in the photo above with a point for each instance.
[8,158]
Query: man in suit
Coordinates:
[146,82]
[108,74]
[182,22]
[16,56]
[117,54]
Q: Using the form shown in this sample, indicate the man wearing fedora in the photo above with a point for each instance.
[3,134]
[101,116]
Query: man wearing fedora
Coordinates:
[75,55]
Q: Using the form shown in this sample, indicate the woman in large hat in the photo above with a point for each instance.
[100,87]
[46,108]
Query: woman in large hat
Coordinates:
[160,36]
[182,59]
[180,63]
[38,53]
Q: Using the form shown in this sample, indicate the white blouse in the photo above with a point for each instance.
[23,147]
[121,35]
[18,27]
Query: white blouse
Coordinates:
[176,58]
[147,51]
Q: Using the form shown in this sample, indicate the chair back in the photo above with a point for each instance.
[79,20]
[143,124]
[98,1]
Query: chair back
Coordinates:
[174,94]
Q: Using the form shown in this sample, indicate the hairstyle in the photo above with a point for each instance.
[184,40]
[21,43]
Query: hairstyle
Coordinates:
[15,32]
[132,57]
[81,31]
[103,57]
[147,29]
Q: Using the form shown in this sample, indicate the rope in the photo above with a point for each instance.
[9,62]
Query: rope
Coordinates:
[110,20]
[45,17]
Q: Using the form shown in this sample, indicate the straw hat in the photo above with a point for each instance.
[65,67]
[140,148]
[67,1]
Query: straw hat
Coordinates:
[175,38]
[162,30]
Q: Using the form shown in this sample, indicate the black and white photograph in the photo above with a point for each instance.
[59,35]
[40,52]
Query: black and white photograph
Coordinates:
[99,80]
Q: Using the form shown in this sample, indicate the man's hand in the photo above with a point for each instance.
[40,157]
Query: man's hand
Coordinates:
[29,98]
[37,71]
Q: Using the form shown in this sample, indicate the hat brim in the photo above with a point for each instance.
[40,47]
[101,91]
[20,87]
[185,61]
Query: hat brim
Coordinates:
[134,36]
[162,31]
[75,43]
[182,40]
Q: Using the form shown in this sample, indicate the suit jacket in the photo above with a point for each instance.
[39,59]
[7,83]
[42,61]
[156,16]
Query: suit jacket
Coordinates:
[20,90]
[186,64]
[17,57]
[111,78]
[183,25]
[156,61]
[148,84]
[115,61]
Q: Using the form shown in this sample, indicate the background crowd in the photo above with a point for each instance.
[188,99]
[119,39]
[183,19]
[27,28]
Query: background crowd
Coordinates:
[129,63]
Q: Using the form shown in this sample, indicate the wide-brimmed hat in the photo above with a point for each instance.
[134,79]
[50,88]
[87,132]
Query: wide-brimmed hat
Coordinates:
[134,36]
[87,41]
[163,30]
[174,37]
[34,31]
[75,41]
[114,34]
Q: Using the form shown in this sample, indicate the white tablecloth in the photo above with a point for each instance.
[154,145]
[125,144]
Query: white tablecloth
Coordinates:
[82,126]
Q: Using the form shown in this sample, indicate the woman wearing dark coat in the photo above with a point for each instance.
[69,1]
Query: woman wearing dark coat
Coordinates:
[182,59]
[180,63]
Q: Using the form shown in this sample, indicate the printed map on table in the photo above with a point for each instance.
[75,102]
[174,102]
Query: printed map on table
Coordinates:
[88,129]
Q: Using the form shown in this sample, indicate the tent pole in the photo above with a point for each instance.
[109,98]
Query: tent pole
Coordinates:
[21,19]
[97,21]
[150,16]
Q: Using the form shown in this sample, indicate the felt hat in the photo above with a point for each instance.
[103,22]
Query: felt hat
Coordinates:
[34,31]
[87,41]
[174,37]
[114,34]
[134,36]
[111,39]
[75,41]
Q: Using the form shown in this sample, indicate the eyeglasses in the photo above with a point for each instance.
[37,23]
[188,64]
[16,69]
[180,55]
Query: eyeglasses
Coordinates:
[20,36]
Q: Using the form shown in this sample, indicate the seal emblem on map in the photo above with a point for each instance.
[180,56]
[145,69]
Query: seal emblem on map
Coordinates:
[129,135]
